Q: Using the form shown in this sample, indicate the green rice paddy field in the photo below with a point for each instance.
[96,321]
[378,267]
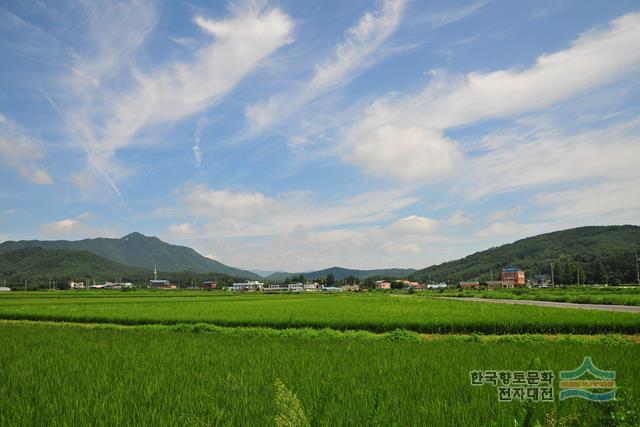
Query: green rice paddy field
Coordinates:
[171,359]
[374,312]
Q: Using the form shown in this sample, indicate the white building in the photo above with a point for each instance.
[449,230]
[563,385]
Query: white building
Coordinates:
[311,287]
[249,285]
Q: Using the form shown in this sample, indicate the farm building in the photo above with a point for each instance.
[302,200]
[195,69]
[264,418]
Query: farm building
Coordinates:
[5,289]
[499,284]
[161,284]
[469,285]
[513,275]
[351,288]
[212,284]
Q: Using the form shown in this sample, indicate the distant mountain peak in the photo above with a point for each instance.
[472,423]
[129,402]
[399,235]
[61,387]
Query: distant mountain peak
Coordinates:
[134,235]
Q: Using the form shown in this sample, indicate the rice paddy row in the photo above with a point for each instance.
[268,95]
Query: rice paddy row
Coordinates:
[374,313]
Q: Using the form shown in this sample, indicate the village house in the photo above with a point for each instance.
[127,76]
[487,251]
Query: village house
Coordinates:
[513,275]
[212,284]
[76,285]
[499,284]
[161,284]
[382,284]
[469,285]
[415,285]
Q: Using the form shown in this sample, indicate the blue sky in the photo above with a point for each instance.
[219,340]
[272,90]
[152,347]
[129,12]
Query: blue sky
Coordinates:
[293,135]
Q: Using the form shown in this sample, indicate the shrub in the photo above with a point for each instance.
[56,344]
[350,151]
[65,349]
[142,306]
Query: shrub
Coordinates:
[289,410]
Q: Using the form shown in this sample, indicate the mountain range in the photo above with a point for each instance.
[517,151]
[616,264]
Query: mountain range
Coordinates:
[595,253]
[340,273]
[137,250]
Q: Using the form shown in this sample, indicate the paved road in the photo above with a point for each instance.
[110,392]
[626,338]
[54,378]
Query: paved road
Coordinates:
[606,307]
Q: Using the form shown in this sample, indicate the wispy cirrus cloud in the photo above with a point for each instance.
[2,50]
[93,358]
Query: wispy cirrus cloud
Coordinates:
[23,152]
[454,14]
[110,120]
[352,55]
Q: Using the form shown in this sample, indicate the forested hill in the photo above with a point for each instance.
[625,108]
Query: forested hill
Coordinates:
[137,250]
[340,273]
[38,264]
[41,268]
[602,253]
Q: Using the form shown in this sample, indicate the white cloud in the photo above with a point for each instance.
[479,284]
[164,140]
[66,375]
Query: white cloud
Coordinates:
[352,55]
[400,152]
[595,58]
[205,202]
[74,228]
[22,152]
[184,229]
[394,128]
[368,246]
[111,121]
[414,224]
[296,232]
[197,140]
[610,202]
[229,213]
[458,218]
[555,156]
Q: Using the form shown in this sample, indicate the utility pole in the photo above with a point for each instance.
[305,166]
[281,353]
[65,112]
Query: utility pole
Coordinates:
[552,281]
[637,270]
[577,271]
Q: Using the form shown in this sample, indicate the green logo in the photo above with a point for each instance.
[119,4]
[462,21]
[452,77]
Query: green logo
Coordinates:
[596,385]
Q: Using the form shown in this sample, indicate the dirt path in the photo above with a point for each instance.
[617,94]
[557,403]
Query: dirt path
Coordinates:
[605,307]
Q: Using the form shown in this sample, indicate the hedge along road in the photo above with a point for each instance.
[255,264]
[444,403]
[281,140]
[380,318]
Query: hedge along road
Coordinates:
[606,307]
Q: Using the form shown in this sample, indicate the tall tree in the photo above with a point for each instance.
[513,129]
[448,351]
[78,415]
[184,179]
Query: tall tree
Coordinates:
[331,280]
